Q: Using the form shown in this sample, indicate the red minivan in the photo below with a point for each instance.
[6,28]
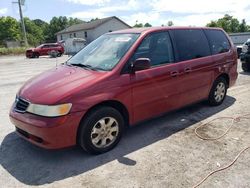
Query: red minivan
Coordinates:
[120,79]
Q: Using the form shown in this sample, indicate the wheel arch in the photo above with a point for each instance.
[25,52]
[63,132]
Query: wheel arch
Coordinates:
[120,107]
[226,77]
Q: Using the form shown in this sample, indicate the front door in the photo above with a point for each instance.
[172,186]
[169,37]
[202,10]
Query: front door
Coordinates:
[155,90]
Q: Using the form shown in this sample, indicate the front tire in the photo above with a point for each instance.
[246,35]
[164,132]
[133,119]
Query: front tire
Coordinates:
[218,92]
[35,55]
[101,130]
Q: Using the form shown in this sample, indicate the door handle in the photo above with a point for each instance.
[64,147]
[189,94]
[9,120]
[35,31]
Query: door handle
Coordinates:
[187,70]
[174,74]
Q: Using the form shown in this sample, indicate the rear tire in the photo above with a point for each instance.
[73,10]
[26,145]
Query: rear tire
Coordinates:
[101,130]
[218,92]
[35,55]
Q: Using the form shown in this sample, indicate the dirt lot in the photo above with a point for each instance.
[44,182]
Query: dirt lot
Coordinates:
[162,152]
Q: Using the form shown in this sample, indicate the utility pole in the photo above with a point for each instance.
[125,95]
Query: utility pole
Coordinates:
[20,3]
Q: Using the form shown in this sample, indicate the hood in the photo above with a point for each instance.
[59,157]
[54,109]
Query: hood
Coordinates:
[30,49]
[57,83]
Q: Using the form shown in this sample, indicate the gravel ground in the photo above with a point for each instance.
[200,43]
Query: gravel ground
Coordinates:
[162,152]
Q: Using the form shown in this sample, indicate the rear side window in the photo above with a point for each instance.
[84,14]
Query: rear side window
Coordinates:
[191,44]
[218,41]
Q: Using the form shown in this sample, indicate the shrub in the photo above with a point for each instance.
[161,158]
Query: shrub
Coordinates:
[12,51]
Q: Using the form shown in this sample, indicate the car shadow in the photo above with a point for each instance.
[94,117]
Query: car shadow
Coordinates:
[244,73]
[32,165]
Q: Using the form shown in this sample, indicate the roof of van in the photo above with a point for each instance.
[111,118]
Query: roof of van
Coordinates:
[151,29]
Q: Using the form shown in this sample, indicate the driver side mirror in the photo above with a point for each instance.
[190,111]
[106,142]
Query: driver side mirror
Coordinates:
[140,64]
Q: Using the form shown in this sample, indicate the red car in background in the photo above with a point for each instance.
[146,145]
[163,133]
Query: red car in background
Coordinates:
[45,49]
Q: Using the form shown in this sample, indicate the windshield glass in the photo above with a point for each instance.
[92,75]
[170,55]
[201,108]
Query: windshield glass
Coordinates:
[105,52]
[40,46]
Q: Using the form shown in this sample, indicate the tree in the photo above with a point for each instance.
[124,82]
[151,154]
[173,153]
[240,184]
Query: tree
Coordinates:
[228,23]
[73,21]
[9,29]
[170,23]
[35,34]
[212,24]
[138,25]
[94,19]
[243,26]
[147,25]
[56,24]
[141,24]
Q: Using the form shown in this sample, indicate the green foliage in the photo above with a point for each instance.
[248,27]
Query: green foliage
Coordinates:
[141,25]
[38,31]
[170,23]
[57,24]
[243,26]
[229,24]
[12,51]
[147,25]
[35,33]
[9,29]
[93,19]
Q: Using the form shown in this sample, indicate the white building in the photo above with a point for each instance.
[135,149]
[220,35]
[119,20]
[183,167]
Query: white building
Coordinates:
[239,38]
[92,30]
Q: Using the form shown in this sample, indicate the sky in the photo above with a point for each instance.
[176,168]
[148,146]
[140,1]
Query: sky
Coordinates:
[155,12]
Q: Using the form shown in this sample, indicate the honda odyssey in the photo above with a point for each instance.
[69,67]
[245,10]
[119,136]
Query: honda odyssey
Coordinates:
[120,79]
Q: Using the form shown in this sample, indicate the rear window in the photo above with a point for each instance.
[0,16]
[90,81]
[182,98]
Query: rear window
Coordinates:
[191,44]
[218,41]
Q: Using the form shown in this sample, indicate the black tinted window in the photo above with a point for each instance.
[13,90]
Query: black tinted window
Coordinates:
[218,41]
[157,47]
[191,44]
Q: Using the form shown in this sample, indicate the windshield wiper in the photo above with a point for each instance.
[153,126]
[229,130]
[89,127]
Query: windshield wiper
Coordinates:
[83,65]
[86,66]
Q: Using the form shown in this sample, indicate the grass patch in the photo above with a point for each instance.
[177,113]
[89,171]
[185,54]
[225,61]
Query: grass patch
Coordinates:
[12,51]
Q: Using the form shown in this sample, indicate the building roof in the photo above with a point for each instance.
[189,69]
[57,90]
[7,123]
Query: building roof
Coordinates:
[239,34]
[89,25]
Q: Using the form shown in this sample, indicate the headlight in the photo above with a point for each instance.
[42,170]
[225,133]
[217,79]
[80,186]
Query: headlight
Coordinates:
[49,111]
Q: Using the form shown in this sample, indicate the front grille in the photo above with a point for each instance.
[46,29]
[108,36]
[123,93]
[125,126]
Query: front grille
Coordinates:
[21,105]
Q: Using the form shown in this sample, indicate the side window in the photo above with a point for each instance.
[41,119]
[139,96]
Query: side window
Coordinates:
[191,44]
[157,47]
[218,41]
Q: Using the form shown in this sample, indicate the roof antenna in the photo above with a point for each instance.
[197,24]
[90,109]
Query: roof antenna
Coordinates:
[56,60]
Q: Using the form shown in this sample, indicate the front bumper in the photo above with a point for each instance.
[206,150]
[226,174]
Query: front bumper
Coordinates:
[29,54]
[49,133]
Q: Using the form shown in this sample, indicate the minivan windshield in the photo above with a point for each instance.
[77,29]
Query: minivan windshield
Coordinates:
[104,52]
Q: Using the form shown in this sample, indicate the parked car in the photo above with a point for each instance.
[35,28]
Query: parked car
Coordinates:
[123,78]
[239,50]
[45,49]
[245,56]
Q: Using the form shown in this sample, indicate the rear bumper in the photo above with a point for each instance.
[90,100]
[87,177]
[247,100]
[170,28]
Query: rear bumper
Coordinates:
[49,133]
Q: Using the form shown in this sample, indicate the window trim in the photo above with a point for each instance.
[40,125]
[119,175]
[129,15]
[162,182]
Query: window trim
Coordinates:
[125,69]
